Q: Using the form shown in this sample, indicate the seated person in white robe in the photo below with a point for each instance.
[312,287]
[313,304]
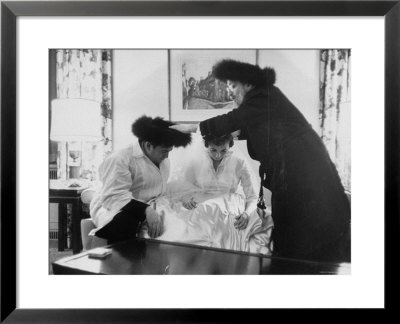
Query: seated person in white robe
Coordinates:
[133,176]
[204,205]
[219,171]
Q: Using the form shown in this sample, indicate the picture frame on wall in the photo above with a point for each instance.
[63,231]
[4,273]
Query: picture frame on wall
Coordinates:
[195,94]
[12,10]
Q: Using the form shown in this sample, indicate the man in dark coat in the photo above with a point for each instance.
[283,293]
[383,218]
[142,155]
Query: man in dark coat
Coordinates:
[310,210]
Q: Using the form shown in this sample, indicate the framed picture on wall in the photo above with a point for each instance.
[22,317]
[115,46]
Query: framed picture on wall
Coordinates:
[195,93]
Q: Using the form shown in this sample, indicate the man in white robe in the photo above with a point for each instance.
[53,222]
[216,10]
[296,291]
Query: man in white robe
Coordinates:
[131,178]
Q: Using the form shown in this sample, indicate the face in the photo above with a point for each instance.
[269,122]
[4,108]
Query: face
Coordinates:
[217,152]
[238,90]
[156,153]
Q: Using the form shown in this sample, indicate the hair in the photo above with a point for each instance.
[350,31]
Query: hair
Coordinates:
[157,132]
[218,140]
[245,73]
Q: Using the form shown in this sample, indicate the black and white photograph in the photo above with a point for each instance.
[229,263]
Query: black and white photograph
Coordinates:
[212,162]
[197,161]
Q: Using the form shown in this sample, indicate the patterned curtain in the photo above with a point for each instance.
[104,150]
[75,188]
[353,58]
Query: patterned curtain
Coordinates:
[335,111]
[86,74]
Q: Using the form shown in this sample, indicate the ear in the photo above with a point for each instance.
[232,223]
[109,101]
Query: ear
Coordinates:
[147,146]
[247,87]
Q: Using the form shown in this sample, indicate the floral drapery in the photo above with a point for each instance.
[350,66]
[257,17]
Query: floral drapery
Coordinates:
[334,112]
[86,74]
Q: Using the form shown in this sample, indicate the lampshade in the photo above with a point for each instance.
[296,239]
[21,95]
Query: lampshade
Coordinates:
[75,120]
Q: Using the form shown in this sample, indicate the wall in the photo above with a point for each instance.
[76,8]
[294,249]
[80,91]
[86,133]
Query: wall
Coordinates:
[140,86]
[297,74]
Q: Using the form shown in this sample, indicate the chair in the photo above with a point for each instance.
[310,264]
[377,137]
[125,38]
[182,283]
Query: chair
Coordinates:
[87,225]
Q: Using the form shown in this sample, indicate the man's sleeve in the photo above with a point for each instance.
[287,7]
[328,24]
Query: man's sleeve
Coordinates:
[117,181]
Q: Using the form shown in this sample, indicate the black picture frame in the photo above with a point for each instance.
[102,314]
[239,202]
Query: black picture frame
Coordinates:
[11,10]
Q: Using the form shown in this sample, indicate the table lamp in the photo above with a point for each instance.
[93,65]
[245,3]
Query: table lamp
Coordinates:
[75,120]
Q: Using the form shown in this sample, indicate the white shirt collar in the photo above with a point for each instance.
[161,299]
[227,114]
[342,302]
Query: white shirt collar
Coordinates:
[224,159]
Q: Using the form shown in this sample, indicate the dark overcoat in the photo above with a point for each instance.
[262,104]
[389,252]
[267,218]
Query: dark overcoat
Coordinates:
[310,210]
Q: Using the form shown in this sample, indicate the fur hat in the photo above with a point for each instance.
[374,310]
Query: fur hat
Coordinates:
[244,73]
[157,132]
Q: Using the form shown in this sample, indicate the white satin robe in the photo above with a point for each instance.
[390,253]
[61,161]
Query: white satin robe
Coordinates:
[219,199]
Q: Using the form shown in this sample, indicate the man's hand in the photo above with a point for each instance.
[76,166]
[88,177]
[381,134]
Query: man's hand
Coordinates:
[185,128]
[155,222]
[189,204]
[241,221]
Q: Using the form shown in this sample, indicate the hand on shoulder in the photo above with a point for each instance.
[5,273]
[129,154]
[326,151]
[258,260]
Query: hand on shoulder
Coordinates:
[185,128]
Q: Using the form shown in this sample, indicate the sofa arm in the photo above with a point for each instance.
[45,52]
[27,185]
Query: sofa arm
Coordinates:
[87,195]
[89,241]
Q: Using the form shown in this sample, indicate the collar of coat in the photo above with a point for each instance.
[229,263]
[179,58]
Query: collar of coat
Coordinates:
[270,76]
[255,93]
[270,81]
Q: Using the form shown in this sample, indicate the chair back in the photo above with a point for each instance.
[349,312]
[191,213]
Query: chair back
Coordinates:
[90,241]
[87,225]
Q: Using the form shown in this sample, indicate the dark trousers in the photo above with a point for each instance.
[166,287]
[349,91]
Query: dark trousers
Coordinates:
[125,225]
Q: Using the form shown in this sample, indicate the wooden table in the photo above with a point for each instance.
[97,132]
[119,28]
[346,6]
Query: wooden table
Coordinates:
[64,196]
[147,256]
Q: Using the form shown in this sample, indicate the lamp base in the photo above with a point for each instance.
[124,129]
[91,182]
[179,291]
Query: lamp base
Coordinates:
[74,172]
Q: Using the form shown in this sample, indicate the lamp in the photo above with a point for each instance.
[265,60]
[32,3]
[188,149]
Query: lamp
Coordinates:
[75,120]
